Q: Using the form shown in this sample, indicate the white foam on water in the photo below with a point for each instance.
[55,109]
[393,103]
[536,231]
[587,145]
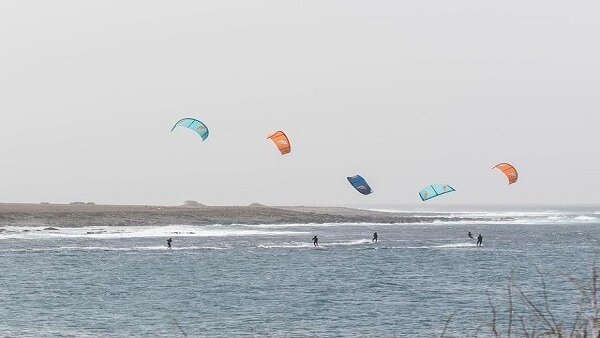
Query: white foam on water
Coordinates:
[444,246]
[355,242]
[389,211]
[526,220]
[465,213]
[586,218]
[500,217]
[293,245]
[455,245]
[107,248]
[12,232]
[312,225]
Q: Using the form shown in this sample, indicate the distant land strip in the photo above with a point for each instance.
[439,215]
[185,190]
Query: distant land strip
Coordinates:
[89,214]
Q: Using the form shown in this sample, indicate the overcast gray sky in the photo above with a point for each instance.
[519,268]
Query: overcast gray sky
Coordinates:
[405,93]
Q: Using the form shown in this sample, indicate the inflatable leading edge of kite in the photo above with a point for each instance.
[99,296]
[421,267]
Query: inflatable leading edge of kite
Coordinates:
[435,190]
[360,184]
[281,141]
[193,124]
[508,170]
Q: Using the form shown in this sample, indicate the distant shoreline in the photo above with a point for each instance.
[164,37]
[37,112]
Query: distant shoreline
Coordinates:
[80,215]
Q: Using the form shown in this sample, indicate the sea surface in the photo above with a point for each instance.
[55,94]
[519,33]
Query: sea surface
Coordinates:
[269,280]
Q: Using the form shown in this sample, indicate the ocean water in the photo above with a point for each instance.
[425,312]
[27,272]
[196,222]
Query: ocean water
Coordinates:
[269,281]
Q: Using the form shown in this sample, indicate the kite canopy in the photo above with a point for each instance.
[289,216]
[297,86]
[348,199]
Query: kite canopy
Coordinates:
[509,171]
[360,184]
[281,141]
[435,190]
[193,124]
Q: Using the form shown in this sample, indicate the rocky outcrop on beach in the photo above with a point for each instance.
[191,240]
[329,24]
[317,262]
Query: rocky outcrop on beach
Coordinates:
[193,204]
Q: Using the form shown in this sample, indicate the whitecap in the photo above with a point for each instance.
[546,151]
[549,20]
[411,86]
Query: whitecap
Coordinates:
[294,245]
[140,232]
[109,248]
[444,246]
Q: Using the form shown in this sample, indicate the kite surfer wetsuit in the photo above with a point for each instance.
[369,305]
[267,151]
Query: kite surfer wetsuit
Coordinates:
[374,238]
[479,240]
[315,241]
[470,235]
[169,243]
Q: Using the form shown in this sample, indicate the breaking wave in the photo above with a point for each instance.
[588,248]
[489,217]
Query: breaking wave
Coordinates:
[24,232]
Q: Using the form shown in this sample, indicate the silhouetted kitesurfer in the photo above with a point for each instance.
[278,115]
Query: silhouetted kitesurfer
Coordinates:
[169,242]
[479,240]
[315,241]
[374,238]
[470,234]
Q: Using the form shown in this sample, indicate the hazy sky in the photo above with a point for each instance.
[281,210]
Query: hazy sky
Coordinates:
[405,93]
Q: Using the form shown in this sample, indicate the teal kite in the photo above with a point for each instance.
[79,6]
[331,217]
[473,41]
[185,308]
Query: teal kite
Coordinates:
[435,190]
[193,124]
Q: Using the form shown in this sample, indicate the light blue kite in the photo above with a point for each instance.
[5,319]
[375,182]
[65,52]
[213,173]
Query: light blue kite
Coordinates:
[435,190]
[194,125]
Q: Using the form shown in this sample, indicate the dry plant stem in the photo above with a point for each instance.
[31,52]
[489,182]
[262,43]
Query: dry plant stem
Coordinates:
[510,306]
[554,327]
[493,324]
[446,324]
[594,319]
[581,286]
[180,328]
[524,328]
[577,323]
[477,331]
[579,328]
[537,312]
[543,323]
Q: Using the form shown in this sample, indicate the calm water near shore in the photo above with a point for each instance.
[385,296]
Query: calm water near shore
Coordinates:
[268,280]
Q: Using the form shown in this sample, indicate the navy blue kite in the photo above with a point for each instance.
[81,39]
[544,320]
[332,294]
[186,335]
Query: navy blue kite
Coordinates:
[360,184]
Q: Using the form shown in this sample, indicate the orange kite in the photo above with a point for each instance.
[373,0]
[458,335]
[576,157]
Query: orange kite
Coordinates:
[281,141]
[509,171]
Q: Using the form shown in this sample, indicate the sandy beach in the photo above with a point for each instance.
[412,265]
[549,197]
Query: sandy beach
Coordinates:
[79,215]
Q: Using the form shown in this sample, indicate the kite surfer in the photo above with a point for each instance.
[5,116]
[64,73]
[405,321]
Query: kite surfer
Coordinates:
[470,234]
[169,242]
[374,238]
[479,240]
[315,241]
